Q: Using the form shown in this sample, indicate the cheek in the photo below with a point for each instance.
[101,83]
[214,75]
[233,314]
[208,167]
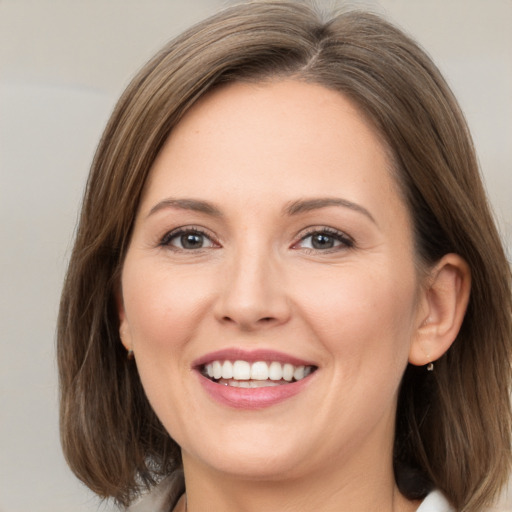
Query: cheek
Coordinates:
[162,307]
[363,315]
[163,311]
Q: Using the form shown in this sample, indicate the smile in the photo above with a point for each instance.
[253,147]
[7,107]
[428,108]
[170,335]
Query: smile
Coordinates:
[253,379]
[258,374]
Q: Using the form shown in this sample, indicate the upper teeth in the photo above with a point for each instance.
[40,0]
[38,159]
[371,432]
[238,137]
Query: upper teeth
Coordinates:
[259,370]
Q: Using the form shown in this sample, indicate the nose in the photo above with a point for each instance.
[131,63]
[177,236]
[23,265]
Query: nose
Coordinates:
[253,293]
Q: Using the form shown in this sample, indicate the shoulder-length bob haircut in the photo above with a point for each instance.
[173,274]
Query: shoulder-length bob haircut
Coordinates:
[453,425]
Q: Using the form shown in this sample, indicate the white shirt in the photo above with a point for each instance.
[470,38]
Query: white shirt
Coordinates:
[435,502]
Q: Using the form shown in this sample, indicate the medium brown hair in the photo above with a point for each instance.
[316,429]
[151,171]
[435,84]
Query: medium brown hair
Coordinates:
[453,425]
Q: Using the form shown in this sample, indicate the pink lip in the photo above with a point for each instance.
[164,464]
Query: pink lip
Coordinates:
[236,354]
[252,398]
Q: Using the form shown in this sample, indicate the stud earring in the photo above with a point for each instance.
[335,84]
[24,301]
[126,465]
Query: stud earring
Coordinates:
[430,367]
[130,355]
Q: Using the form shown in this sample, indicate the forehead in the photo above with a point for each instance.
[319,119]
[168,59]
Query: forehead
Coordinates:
[278,113]
[282,139]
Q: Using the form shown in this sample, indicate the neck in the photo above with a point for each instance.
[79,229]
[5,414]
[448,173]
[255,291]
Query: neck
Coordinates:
[371,488]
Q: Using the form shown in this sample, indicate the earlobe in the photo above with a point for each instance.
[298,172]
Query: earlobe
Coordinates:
[124,331]
[445,299]
[124,335]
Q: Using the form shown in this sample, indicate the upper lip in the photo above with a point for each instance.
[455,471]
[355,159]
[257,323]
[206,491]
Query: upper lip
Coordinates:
[238,354]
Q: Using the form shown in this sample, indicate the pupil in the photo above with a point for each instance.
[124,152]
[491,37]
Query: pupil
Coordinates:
[191,241]
[322,241]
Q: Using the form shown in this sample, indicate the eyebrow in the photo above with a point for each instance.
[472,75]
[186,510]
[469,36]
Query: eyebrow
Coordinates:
[187,204]
[306,205]
[294,208]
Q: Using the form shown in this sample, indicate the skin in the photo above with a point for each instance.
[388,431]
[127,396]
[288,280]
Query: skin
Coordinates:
[358,309]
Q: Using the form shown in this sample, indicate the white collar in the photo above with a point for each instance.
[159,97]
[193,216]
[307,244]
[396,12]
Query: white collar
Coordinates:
[435,502]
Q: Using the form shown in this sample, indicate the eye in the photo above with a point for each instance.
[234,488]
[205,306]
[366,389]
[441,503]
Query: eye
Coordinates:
[324,240]
[187,240]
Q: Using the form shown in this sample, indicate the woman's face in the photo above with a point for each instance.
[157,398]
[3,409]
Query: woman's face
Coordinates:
[271,238]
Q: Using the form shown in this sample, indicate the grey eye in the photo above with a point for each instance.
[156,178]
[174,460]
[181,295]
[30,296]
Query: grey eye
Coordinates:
[322,240]
[191,241]
[188,240]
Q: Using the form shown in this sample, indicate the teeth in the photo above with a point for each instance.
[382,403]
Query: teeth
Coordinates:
[288,372]
[298,373]
[227,370]
[251,383]
[259,371]
[245,374]
[217,370]
[241,370]
[275,371]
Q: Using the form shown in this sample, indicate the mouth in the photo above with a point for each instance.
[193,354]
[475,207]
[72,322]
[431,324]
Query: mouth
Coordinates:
[256,374]
[253,379]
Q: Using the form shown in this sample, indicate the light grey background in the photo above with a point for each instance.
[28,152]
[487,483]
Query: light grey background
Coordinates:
[62,66]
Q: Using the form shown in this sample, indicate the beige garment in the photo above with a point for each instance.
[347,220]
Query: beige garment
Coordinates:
[163,497]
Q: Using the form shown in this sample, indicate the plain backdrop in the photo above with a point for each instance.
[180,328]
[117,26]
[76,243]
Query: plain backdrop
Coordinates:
[62,66]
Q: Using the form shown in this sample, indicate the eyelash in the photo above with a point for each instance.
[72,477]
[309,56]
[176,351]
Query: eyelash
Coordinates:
[345,242]
[176,233]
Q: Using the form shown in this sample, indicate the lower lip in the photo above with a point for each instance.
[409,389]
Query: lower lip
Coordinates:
[252,398]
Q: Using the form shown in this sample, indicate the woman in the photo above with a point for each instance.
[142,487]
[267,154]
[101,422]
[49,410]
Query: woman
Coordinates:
[287,291]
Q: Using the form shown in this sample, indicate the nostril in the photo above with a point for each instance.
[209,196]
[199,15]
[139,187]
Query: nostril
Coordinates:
[265,319]
[247,324]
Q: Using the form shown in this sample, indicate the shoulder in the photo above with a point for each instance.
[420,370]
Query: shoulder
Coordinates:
[435,502]
[163,497]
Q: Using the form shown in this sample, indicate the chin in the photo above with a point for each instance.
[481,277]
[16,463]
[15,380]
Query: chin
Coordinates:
[258,460]
[259,468]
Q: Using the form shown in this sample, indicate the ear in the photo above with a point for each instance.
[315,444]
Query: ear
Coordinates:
[442,308]
[124,330]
